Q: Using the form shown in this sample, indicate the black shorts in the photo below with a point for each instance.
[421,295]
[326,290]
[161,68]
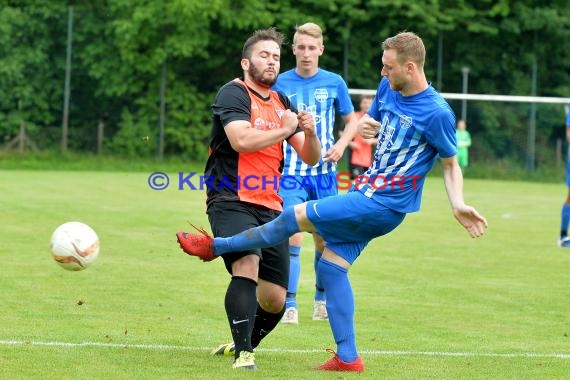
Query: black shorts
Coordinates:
[232,217]
[356,170]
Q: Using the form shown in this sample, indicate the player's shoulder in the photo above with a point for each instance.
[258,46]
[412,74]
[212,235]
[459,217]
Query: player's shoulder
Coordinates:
[438,99]
[285,81]
[287,75]
[233,86]
[289,72]
[230,95]
[326,74]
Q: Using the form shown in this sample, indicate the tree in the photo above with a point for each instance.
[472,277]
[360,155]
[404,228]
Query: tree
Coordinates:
[29,69]
[122,47]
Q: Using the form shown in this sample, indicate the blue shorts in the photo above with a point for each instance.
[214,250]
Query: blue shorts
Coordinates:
[298,189]
[348,222]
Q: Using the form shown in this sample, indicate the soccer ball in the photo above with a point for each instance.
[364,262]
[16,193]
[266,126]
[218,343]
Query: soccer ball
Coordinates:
[74,246]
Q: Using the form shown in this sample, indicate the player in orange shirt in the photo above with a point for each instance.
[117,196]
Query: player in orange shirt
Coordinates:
[361,149]
[250,123]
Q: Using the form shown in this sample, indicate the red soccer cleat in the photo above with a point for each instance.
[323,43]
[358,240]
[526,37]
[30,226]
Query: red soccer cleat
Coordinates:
[337,364]
[200,245]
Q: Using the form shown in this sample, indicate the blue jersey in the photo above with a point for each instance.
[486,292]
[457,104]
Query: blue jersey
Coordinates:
[318,95]
[414,130]
[568,116]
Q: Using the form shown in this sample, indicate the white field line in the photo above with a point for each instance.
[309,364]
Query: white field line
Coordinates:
[277,350]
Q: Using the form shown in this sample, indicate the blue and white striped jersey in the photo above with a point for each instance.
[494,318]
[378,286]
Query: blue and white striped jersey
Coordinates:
[414,130]
[318,95]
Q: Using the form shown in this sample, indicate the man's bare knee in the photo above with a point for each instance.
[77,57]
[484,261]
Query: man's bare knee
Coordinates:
[302,219]
[319,242]
[247,266]
[296,239]
[271,297]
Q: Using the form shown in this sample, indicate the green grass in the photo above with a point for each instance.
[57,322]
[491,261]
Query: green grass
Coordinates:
[506,169]
[431,302]
[72,161]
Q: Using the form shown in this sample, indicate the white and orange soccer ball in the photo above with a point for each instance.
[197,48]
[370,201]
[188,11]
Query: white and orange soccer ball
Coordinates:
[74,246]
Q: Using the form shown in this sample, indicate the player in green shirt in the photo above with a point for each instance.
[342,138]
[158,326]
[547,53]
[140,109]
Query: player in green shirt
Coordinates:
[463,143]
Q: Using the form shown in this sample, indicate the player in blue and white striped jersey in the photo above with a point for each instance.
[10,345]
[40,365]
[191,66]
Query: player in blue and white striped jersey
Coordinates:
[320,93]
[413,130]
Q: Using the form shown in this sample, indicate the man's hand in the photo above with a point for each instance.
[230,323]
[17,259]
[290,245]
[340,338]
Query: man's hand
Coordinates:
[469,218]
[306,144]
[289,121]
[307,123]
[368,127]
[335,152]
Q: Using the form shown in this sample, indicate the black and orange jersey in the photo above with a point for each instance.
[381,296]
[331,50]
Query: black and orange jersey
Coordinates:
[251,177]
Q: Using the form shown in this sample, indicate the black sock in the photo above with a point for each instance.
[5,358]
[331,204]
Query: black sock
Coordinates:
[264,323]
[563,234]
[241,306]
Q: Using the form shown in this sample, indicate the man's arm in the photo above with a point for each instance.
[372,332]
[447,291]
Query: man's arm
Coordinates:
[244,138]
[354,145]
[466,215]
[350,130]
[306,144]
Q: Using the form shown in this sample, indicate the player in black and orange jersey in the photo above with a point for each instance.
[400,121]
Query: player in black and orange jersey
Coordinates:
[250,123]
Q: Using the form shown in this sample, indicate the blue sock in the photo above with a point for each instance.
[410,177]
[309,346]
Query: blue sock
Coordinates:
[319,289]
[565,219]
[340,308]
[294,274]
[274,232]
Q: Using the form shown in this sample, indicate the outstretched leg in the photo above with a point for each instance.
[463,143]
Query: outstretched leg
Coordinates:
[269,234]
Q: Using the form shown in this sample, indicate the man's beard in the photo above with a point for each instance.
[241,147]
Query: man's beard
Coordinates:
[257,76]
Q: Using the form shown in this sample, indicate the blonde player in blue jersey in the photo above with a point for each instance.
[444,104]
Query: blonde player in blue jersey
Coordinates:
[318,92]
[414,125]
[564,240]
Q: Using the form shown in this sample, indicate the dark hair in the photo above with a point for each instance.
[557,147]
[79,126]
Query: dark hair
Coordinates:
[270,34]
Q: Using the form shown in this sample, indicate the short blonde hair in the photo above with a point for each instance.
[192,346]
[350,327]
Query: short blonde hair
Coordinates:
[409,47]
[309,29]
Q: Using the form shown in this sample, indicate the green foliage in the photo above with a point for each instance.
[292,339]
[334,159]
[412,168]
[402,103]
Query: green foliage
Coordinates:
[28,65]
[188,123]
[120,46]
[51,161]
[134,138]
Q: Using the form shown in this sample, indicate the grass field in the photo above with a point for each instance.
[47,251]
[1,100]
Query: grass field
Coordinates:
[431,302]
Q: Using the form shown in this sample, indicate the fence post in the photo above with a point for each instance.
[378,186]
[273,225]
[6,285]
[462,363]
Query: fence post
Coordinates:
[531,143]
[100,134]
[465,72]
